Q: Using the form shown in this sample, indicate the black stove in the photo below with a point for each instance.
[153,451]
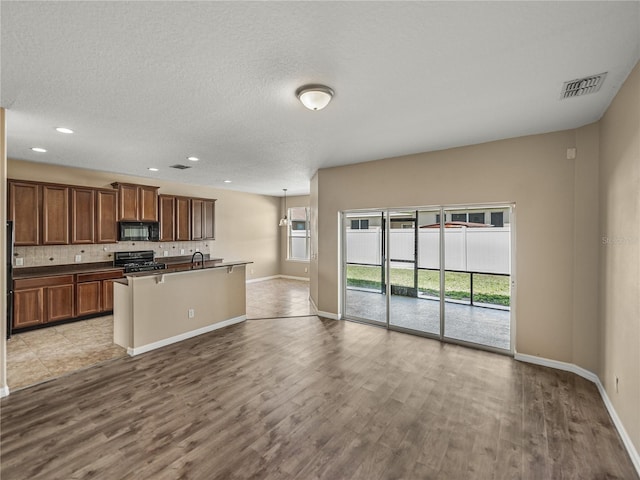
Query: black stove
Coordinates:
[139,261]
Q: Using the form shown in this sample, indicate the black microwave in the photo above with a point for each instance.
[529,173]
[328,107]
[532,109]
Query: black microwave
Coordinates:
[139,231]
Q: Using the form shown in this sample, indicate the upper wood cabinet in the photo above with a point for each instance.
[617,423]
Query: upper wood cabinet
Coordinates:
[55,215]
[24,211]
[175,218]
[167,204]
[106,216]
[183,218]
[202,219]
[83,217]
[137,203]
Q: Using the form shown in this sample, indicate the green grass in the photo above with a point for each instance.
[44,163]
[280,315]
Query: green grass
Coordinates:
[492,289]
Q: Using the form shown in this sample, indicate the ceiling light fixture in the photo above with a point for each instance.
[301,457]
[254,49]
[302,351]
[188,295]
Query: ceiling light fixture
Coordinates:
[193,159]
[227,181]
[284,221]
[64,130]
[315,97]
[39,149]
[152,169]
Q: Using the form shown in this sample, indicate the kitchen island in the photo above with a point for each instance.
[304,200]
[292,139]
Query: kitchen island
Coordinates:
[154,309]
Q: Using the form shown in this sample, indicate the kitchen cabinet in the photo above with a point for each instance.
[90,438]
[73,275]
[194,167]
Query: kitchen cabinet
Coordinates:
[40,300]
[55,215]
[175,218]
[137,203]
[202,219]
[183,218]
[167,214]
[106,216]
[94,292]
[24,211]
[83,217]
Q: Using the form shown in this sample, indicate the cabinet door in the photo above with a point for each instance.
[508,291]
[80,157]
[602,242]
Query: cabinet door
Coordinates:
[59,302]
[106,216]
[28,307]
[183,218]
[107,295]
[208,219]
[167,218]
[128,202]
[83,215]
[55,215]
[24,210]
[196,219]
[88,298]
[148,207]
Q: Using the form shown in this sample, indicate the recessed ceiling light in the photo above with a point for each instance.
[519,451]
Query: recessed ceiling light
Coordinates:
[39,149]
[64,130]
[193,159]
[153,169]
[227,181]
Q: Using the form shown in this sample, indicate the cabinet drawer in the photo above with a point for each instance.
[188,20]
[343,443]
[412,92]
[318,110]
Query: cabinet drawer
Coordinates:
[36,282]
[92,277]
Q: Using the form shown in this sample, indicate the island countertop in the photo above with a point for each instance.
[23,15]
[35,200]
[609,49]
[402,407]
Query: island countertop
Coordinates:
[196,267]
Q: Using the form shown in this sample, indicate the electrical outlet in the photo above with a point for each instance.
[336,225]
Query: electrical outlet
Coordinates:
[306,270]
[165,253]
[192,313]
[19,262]
[197,249]
[78,258]
[182,251]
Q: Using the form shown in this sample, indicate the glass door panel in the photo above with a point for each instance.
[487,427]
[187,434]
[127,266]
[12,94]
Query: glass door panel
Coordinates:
[365,286]
[477,246]
[414,264]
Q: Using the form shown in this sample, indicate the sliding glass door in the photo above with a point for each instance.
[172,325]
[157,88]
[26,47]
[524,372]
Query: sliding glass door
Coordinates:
[439,272]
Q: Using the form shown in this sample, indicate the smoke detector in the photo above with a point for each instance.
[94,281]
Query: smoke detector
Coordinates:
[582,86]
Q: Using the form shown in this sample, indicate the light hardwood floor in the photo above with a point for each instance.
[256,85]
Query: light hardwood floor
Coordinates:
[310,398]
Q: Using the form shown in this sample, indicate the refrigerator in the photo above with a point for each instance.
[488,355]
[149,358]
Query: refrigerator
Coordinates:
[9,268]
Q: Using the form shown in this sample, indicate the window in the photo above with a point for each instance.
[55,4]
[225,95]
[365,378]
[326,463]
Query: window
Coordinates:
[497,219]
[298,233]
[458,217]
[476,217]
[360,224]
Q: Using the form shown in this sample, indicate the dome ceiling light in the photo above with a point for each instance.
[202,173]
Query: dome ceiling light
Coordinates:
[315,97]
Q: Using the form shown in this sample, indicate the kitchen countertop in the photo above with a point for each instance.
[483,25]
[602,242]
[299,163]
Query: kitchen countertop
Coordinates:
[208,264]
[69,269]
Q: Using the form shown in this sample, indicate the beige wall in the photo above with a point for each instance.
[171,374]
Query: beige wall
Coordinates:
[620,253]
[246,224]
[294,268]
[531,171]
[313,256]
[3,249]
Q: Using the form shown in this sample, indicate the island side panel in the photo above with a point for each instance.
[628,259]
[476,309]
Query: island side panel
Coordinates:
[161,303]
[122,315]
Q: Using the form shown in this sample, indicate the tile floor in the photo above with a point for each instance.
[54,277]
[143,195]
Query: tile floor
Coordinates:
[40,355]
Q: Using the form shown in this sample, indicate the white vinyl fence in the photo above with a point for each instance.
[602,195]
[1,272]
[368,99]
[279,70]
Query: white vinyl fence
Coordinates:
[486,250]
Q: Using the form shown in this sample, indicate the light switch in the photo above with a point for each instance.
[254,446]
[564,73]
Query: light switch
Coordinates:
[78,258]
[19,262]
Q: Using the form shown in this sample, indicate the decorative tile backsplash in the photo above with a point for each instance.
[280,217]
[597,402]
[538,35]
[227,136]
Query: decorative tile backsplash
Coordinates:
[65,254]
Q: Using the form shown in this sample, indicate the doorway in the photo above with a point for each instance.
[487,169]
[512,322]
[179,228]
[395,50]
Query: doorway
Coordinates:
[441,272]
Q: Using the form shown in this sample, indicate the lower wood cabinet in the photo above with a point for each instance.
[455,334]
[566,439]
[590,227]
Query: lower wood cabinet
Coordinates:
[42,300]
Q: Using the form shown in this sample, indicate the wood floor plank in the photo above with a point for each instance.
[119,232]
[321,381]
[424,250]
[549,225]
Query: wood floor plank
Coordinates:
[311,398]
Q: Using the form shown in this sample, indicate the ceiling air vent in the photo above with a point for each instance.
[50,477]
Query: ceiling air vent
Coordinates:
[582,86]
[179,166]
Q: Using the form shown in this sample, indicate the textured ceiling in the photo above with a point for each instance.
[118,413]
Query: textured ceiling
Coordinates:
[146,84]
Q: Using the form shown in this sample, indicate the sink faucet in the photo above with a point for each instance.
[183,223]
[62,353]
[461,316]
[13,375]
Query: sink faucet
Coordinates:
[201,259]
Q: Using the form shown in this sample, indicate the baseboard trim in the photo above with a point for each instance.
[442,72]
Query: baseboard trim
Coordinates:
[4,391]
[332,316]
[273,277]
[291,277]
[570,367]
[184,336]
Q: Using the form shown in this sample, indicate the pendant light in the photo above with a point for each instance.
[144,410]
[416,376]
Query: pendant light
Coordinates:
[284,221]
